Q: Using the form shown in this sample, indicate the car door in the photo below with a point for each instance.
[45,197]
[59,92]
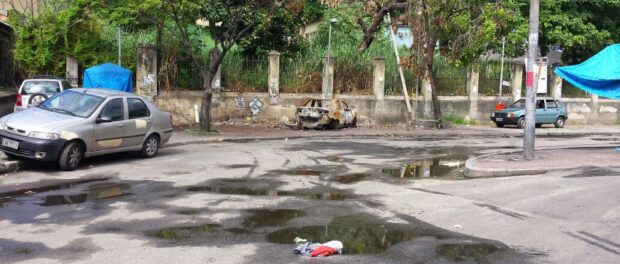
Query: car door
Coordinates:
[111,126]
[552,110]
[140,121]
[348,115]
[540,111]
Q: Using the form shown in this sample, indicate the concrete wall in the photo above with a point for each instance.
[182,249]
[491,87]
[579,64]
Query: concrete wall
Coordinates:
[392,109]
[7,101]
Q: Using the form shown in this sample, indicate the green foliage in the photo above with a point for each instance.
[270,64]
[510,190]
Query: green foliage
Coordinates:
[458,120]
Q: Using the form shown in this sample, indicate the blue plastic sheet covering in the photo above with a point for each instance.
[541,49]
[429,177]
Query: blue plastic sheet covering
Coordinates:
[109,76]
[598,75]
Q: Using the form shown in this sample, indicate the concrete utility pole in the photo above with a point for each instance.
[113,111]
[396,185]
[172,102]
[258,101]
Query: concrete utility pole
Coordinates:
[531,83]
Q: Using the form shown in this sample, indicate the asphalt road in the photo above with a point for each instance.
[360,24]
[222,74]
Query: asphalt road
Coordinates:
[389,200]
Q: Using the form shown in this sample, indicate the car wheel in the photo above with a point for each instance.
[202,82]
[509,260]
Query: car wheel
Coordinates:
[150,146]
[333,124]
[36,99]
[521,122]
[538,125]
[71,156]
[559,122]
[354,122]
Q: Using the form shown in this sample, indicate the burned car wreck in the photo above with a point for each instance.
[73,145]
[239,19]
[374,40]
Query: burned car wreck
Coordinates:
[319,114]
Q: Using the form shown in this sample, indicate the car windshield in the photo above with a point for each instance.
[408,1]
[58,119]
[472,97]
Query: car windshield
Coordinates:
[72,103]
[45,87]
[519,104]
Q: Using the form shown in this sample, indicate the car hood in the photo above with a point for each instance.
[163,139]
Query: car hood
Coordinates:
[36,119]
[510,110]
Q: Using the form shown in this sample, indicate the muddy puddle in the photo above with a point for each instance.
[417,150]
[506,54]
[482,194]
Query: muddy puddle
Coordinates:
[266,217]
[446,164]
[330,194]
[363,234]
[91,190]
[182,232]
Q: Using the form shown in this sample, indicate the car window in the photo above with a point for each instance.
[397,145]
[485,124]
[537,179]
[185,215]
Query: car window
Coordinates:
[137,108]
[45,87]
[518,104]
[540,104]
[551,104]
[72,103]
[113,109]
[66,85]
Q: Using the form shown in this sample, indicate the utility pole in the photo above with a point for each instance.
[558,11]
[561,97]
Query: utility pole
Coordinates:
[531,83]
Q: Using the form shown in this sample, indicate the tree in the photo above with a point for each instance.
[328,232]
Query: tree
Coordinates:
[226,21]
[459,30]
[581,28]
[55,30]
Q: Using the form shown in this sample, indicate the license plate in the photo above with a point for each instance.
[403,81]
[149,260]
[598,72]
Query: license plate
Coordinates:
[499,119]
[10,143]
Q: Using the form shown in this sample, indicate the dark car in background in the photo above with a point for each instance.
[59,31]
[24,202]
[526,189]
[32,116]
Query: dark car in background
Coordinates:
[548,111]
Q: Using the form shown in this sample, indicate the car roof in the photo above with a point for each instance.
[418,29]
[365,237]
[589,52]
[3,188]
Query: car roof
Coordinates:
[102,92]
[50,77]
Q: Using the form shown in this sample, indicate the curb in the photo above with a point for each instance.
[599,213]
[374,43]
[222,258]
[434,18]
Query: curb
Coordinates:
[477,172]
[7,166]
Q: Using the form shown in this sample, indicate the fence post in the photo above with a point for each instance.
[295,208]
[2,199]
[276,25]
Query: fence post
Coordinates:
[146,71]
[378,77]
[556,87]
[473,82]
[328,78]
[274,76]
[516,82]
[427,97]
[72,73]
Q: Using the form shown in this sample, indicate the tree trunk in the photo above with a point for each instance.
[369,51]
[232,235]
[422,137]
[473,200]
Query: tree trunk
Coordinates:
[205,109]
[430,52]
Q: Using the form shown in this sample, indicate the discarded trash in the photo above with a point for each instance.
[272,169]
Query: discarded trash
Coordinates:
[306,248]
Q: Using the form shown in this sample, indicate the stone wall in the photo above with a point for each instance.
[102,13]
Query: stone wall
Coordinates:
[185,104]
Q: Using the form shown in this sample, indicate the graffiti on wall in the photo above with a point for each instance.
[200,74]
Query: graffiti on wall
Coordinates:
[255,106]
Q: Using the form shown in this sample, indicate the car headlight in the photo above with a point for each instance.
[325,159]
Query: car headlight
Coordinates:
[43,135]
[2,125]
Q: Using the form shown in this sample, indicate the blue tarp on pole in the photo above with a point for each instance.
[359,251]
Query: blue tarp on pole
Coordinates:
[109,76]
[598,75]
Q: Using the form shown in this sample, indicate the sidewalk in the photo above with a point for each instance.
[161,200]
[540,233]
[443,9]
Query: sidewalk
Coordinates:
[249,133]
[512,164]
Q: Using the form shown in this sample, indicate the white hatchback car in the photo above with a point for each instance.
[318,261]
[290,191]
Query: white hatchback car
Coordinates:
[37,89]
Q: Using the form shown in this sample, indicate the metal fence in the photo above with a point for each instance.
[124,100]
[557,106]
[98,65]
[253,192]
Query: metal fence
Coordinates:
[300,75]
[245,74]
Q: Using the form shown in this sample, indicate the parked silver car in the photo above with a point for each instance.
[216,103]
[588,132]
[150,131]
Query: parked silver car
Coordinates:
[80,123]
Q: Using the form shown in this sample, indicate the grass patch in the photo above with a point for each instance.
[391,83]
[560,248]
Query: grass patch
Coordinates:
[458,120]
[195,130]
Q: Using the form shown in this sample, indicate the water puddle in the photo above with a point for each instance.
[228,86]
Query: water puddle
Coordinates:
[182,232]
[363,234]
[331,194]
[92,193]
[239,166]
[188,212]
[463,251]
[299,172]
[351,177]
[266,217]
[426,168]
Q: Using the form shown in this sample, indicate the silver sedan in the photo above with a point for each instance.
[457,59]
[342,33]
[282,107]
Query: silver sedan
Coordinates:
[81,123]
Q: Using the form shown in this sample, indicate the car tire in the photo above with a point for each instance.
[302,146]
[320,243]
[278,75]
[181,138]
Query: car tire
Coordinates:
[36,99]
[333,124]
[150,146]
[499,124]
[354,122]
[521,122]
[559,122]
[71,156]
[538,125]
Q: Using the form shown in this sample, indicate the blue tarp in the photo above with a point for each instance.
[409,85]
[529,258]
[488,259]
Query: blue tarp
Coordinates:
[598,75]
[109,76]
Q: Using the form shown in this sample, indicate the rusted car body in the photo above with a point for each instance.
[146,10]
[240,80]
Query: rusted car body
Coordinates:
[334,114]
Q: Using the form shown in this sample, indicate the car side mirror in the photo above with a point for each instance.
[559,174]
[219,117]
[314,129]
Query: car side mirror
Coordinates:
[103,119]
